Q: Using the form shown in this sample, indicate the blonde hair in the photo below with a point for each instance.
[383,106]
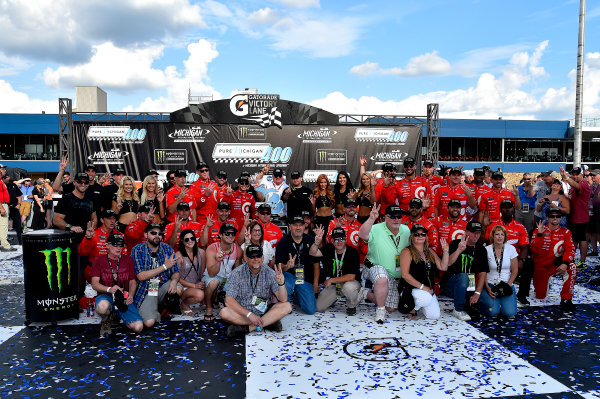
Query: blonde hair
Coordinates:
[361,187]
[495,229]
[415,255]
[144,196]
[121,191]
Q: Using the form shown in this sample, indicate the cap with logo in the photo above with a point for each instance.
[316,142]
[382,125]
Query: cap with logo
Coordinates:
[227,227]
[152,172]
[243,180]
[183,205]
[144,208]
[180,173]
[417,227]
[153,226]
[415,203]
[295,175]
[254,250]
[108,213]
[306,214]
[221,174]
[408,161]
[90,166]
[119,171]
[506,203]
[554,210]
[454,202]
[277,172]
[296,219]
[428,162]
[350,202]
[392,210]
[223,205]
[264,207]
[547,173]
[478,172]
[338,232]
[81,176]
[474,226]
[388,167]
[115,239]
[201,165]
[497,175]
[575,171]
[455,170]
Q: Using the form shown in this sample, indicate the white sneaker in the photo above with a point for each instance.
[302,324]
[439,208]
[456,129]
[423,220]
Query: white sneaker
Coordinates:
[380,314]
[461,315]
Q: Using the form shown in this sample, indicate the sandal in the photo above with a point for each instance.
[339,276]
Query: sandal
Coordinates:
[209,317]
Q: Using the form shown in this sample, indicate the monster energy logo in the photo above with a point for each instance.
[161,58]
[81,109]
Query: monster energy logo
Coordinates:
[59,265]
[337,267]
[243,132]
[322,155]
[467,261]
[160,156]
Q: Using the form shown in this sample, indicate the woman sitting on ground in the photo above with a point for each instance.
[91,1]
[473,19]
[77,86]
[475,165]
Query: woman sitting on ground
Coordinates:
[192,262]
[499,294]
[126,203]
[419,264]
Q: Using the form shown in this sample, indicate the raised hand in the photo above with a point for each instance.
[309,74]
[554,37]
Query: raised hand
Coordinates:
[279,274]
[183,192]
[89,231]
[292,261]
[444,245]
[462,245]
[426,201]
[312,199]
[119,202]
[374,215]
[210,222]
[319,232]
[229,190]
[363,160]
[160,196]
[351,194]
[540,227]
[177,222]
[63,163]
[170,261]
[373,181]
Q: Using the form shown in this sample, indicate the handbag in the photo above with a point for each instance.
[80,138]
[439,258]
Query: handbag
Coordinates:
[502,289]
[406,302]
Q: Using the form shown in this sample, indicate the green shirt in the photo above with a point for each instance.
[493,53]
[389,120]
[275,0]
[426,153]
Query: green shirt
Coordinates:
[384,246]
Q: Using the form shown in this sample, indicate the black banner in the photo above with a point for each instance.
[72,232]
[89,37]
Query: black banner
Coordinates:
[311,149]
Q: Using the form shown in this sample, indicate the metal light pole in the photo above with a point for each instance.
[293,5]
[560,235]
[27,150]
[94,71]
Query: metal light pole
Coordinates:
[579,87]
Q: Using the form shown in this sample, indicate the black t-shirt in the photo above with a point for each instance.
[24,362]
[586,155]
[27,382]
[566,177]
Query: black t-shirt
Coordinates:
[287,246]
[40,195]
[472,260]
[77,211]
[108,192]
[14,192]
[67,188]
[299,201]
[424,272]
[350,264]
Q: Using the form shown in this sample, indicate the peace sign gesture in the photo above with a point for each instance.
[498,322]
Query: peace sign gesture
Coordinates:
[290,263]
[374,215]
[462,245]
[279,274]
[319,232]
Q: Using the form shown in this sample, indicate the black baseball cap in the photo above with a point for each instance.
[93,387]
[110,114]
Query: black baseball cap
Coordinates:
[575,171]
[119,171]
[428,161]
[221,174]
[296,175]
[81,176]
[277,172]
[108,213]
[415,202]
[224,205]
[478,171]
[245,174]
[115,239]
[455,170]
[306,214]
[553,209]
[264,207]
[417,227]
[338,232]
[388,167]
[507,203]
[393,210]
[227,227]
[180,173]
[144,208]
[183,205]
[244,180]
[453,202]
[296,219]
[90,166]
[253,250]
[474,226]
[408,161]
[497,175]
[350,202]
[152,172]
[201,165]
[547,173]
[152,226]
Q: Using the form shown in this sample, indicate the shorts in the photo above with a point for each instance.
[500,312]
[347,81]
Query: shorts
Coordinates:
[578,231]
[25,208]
[130,316]
[149,307]
[376,272]
[206,279]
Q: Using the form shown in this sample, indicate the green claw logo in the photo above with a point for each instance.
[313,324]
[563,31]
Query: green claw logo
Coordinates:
[59,265]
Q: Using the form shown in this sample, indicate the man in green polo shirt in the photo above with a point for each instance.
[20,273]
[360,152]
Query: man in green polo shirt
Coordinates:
[386,240]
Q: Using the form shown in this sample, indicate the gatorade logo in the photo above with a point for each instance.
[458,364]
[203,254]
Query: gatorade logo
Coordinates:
[56,254]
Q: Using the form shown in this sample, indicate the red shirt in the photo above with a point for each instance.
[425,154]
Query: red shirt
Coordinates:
[190,224]
[434,183]
[449,230]
[272,233]
[4,196]
[173,194]
[580,203]
[102,269]
[490,201]
[96,246]
[350,227]
[517,234]
[432,233]
[446,193]
[242,204]
[199,186]
[210,207]
[135,234]
[552,245]
[408,189]
[386,196]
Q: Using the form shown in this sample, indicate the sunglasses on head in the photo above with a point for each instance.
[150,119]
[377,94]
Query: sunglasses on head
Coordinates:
[254,257]
[156,233]
[229,233]
[420,234]
[555,216]
[188,239]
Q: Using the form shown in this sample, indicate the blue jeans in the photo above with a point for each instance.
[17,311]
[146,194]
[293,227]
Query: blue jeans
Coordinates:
[492,306]
[305,294]
[130,316]
[456,288]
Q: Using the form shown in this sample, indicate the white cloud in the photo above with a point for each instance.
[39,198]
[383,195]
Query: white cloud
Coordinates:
[65,30]
[112,68]
[15,101]
[11,65]
[299,3]
[264,16]
[511,94]
[423,65]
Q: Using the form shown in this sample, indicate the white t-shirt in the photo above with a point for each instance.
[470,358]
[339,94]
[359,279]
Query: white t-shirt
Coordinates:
[268,252]
[509,253]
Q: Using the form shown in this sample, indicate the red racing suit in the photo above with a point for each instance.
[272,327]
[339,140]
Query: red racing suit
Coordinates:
[190,224]
[386,196]
[173,194]
[449,230]
[199,186]
[242,204]
[96,246]
[272,233]
[549,250]
[443,196]
[134,233]
[351,228]
[490,202]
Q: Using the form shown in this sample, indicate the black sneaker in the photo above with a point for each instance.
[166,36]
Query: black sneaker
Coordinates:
[567,304]
[350,311]
[523,300]
[237,331]
[275,327]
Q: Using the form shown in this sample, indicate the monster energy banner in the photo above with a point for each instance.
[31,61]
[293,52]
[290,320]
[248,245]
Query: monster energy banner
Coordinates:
[51,276]
[310,149]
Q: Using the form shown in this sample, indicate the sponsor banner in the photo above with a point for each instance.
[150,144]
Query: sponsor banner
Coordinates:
[332,157]
[394,156]
[169,156]
[189,134]
[310,176]
[117,134]
[317,135]
[113,157]
[252,133]
[236,152]
[258,108]
[386,135]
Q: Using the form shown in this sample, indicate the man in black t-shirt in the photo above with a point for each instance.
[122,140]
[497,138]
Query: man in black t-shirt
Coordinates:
[341,271]
[299,269]
[75,210]
[297,196]
[468,258]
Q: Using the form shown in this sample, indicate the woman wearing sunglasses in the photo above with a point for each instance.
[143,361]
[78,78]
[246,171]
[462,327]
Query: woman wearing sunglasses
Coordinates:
[419,265]
[255,235]
[556,198]
[192,262]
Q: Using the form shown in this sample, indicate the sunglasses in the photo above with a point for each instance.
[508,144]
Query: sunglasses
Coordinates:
[203,170]
[82,181]
[257,231]
[171,178]
[420,234]
[414,207]
[156,233]
[188,239]
[229,233]
[120,245]
[254,257]
[395,217]
[244,183]
[527,178]
[554,216]
[265,213]
[339,239]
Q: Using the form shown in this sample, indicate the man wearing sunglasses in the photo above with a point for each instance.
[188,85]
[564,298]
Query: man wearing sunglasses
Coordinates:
[272,232]
[415,216]
[111,273]
[178,194]
[156,272]
[182,222]
[248,305]
[341,271]
[212,229]
[386,241]
[242,202]
[218,193]
[134,234]
[75,210]
[553,252]
[203,188]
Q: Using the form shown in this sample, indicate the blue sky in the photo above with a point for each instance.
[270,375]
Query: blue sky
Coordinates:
[477,59]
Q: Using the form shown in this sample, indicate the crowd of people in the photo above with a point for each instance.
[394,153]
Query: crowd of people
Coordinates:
[395,242]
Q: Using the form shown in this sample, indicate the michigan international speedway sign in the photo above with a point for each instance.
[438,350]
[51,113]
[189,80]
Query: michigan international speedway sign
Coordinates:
[244,133]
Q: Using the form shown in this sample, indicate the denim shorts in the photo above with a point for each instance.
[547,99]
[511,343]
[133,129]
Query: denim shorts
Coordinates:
[130,316]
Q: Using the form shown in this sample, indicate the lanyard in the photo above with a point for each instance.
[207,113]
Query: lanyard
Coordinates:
[498,261]
[396,241]
[115,275]
[253,286]
[337,263]
[298,249]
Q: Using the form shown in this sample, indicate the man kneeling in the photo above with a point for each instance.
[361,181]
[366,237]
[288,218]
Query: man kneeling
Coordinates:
[112,275]
[249,290]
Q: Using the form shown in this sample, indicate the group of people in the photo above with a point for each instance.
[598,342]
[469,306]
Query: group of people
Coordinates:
[397,243]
